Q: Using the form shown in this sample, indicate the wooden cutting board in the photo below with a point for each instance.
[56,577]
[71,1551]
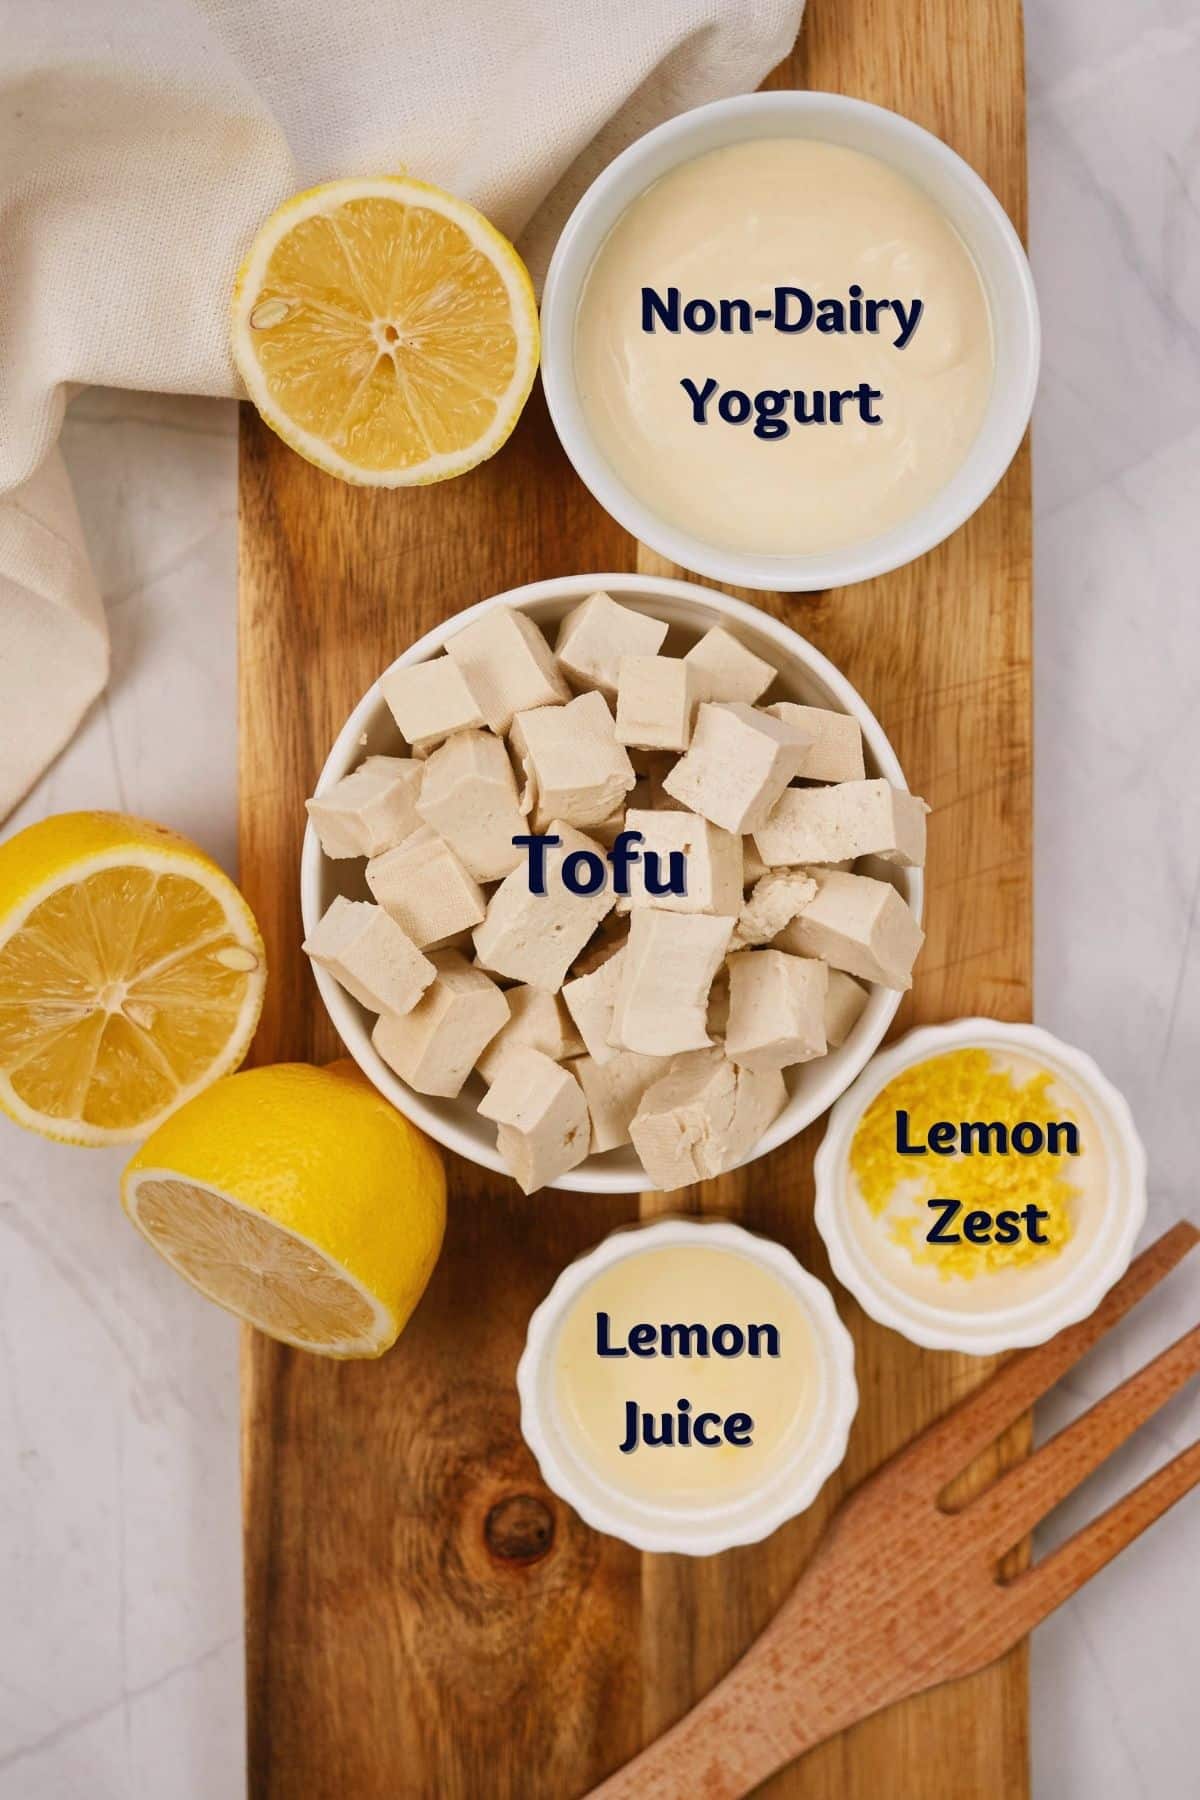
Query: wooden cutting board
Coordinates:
[423,1618]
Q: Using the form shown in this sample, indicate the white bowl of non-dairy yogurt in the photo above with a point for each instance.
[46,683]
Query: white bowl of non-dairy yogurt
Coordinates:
[687,1386]
[803,675]
[980,1186]
[790,340]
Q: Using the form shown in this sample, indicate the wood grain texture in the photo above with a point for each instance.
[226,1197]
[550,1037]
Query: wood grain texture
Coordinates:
[405,1635]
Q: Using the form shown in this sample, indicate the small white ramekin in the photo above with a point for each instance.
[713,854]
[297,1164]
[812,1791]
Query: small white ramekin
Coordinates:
[694,1530]
[689,610]
[955,188]
[1088,1280]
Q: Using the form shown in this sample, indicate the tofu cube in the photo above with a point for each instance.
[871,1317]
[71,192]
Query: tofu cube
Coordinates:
[430,700]
[590,999]
[668,968]
[837,747]
[613,1091]
[739,763]
[469,797]
[703,1117]
[369,810]
[718,1002]
[424,887]
[712,863]
[859,925]
[612,935]
[536,937]
[776,1009]
[656,702]
[574,767]
[594,637]
[652,768]
[605,830]
[544,1125]
[723,669]
[844,1003]
[508,665]
[774,902]
[436,1045]
[834,824]
[753,866]
[537,1020]
[373,958]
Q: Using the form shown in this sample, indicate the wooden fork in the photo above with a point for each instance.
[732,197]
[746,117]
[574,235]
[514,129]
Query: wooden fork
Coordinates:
[904,1592]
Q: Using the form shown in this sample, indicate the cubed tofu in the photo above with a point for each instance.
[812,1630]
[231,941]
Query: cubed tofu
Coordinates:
[469,797]
[573,765]
[544,1125]
[703,1117]
[774,902]
[425,888]
[723,669]
[712,863]
[652,768]
[590,999]
[612,935]
[537,1020]
[436,1045]
[613,1091]
[844,1004]
[430,700]
[668,968]
[739,763]
[753,866]
[776,1009]
[835,824]
[369,810]
[605,830]
[508,665]
[536,937]
[370,955]
[718,1002]
[594,637]
[837,747]
[656,702]
[859,925]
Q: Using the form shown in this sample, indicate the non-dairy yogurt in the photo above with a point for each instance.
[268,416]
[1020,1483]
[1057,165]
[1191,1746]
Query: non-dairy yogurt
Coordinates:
[784,347]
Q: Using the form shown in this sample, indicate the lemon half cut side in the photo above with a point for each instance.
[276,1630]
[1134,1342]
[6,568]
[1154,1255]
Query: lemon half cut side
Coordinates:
[131,976]
[385,330]
[298,1199]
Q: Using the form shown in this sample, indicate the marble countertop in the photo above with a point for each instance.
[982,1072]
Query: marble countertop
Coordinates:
[120,1595]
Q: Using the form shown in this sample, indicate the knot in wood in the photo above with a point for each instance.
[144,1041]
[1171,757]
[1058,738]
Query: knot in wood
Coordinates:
[519,1529]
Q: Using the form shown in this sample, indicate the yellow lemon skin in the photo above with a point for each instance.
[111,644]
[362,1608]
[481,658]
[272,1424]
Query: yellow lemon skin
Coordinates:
[321,1156]
[103,915]
[57,848]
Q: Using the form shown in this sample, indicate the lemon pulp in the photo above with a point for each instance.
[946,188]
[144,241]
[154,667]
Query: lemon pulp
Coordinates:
[386,330]
[127,981]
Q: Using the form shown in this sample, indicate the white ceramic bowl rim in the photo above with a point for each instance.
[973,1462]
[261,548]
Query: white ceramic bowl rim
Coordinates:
[859,124]
[691,1531]
[347,749]
[1010,1328]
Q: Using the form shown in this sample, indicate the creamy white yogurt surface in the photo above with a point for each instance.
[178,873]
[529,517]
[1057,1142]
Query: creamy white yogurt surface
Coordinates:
[739,225]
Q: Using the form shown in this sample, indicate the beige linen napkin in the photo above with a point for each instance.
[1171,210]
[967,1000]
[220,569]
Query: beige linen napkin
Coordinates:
[142,142]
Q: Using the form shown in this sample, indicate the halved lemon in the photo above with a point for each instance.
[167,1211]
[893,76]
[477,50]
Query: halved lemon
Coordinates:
[131,976]
[298,1199]
[385,330]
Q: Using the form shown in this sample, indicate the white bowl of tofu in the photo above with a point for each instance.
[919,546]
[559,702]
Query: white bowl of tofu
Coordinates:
[706,931]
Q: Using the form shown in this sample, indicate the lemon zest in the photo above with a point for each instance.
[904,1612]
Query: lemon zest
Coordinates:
[963,1085]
